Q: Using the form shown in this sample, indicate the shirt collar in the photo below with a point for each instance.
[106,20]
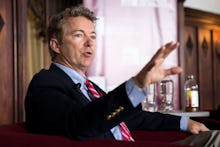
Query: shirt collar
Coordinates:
[73,74]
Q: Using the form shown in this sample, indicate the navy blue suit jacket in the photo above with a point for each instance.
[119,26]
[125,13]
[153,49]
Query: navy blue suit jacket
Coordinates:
[55,105]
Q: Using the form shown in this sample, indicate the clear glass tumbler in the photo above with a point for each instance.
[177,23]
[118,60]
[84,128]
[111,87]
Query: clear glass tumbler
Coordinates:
[150,103]
[166,94]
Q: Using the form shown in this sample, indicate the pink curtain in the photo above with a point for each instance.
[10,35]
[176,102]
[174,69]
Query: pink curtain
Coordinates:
[129,33]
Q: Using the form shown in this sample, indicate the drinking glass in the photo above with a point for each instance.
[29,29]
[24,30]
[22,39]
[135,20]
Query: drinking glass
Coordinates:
[166,95]
[150,103]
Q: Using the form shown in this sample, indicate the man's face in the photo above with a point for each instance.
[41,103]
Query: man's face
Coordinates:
[78,45]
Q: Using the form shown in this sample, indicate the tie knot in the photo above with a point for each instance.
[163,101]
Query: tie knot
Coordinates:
[88,83]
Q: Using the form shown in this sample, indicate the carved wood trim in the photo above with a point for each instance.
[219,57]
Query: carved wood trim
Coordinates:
[205,46]
[202,17]
[189,45]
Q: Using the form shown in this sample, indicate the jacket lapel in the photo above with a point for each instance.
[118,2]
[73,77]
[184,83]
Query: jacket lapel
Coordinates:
[70,86]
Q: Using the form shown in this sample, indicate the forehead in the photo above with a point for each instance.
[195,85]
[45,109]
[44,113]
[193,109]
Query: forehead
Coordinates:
[78,23]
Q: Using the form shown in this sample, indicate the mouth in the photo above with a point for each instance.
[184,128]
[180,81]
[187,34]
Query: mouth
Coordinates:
[88,53]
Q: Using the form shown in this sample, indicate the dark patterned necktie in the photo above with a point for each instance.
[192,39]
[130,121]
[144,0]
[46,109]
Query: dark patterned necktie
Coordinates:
[126,135]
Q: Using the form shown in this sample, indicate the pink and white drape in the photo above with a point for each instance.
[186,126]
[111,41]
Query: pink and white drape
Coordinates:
[129,32]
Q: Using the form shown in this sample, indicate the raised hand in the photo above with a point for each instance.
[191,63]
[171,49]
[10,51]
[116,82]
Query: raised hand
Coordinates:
[153,71]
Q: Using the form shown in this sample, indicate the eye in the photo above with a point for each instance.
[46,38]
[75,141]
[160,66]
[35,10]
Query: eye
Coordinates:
[78,35]
[93,37]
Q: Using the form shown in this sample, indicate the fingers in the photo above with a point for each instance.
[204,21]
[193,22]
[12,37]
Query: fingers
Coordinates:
[169,48]
[172,71]
[165,50]
[153,71]
[195,127]
[199,128]
[195,131]
[203,127]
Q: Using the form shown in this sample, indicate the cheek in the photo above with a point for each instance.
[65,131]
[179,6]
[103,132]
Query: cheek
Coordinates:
[75,55]
[70,50]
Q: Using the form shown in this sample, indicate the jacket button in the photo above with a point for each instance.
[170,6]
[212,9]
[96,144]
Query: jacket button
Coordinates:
[117,110]
[109,117]
[121,108]
[113,114]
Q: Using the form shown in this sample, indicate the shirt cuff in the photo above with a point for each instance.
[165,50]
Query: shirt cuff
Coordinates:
[184,123]
[135,94]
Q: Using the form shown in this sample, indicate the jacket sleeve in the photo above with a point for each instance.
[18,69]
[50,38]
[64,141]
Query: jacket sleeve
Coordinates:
[143,120]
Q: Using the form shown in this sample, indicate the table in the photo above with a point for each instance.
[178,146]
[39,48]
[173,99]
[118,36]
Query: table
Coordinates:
[190,114]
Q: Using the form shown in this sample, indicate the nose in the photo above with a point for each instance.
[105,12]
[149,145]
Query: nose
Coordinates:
[89,42]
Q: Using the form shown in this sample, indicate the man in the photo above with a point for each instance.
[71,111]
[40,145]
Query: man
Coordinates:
[59,101]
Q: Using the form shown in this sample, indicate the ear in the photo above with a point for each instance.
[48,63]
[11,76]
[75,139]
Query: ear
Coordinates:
[54,45]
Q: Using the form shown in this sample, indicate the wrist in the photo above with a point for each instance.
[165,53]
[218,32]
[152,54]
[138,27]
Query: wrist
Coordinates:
[138,82]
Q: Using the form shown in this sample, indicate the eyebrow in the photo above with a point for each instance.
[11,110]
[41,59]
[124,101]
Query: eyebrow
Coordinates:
[93,32]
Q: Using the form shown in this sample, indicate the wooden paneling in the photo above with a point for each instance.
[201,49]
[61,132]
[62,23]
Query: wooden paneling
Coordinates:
[205,69]
[181,51]
[6,60]
[190,51]
[13,59]
[21,55]
[216,67]
[200,58]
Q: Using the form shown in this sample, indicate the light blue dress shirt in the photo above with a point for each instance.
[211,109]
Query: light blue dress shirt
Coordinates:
[135,94]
